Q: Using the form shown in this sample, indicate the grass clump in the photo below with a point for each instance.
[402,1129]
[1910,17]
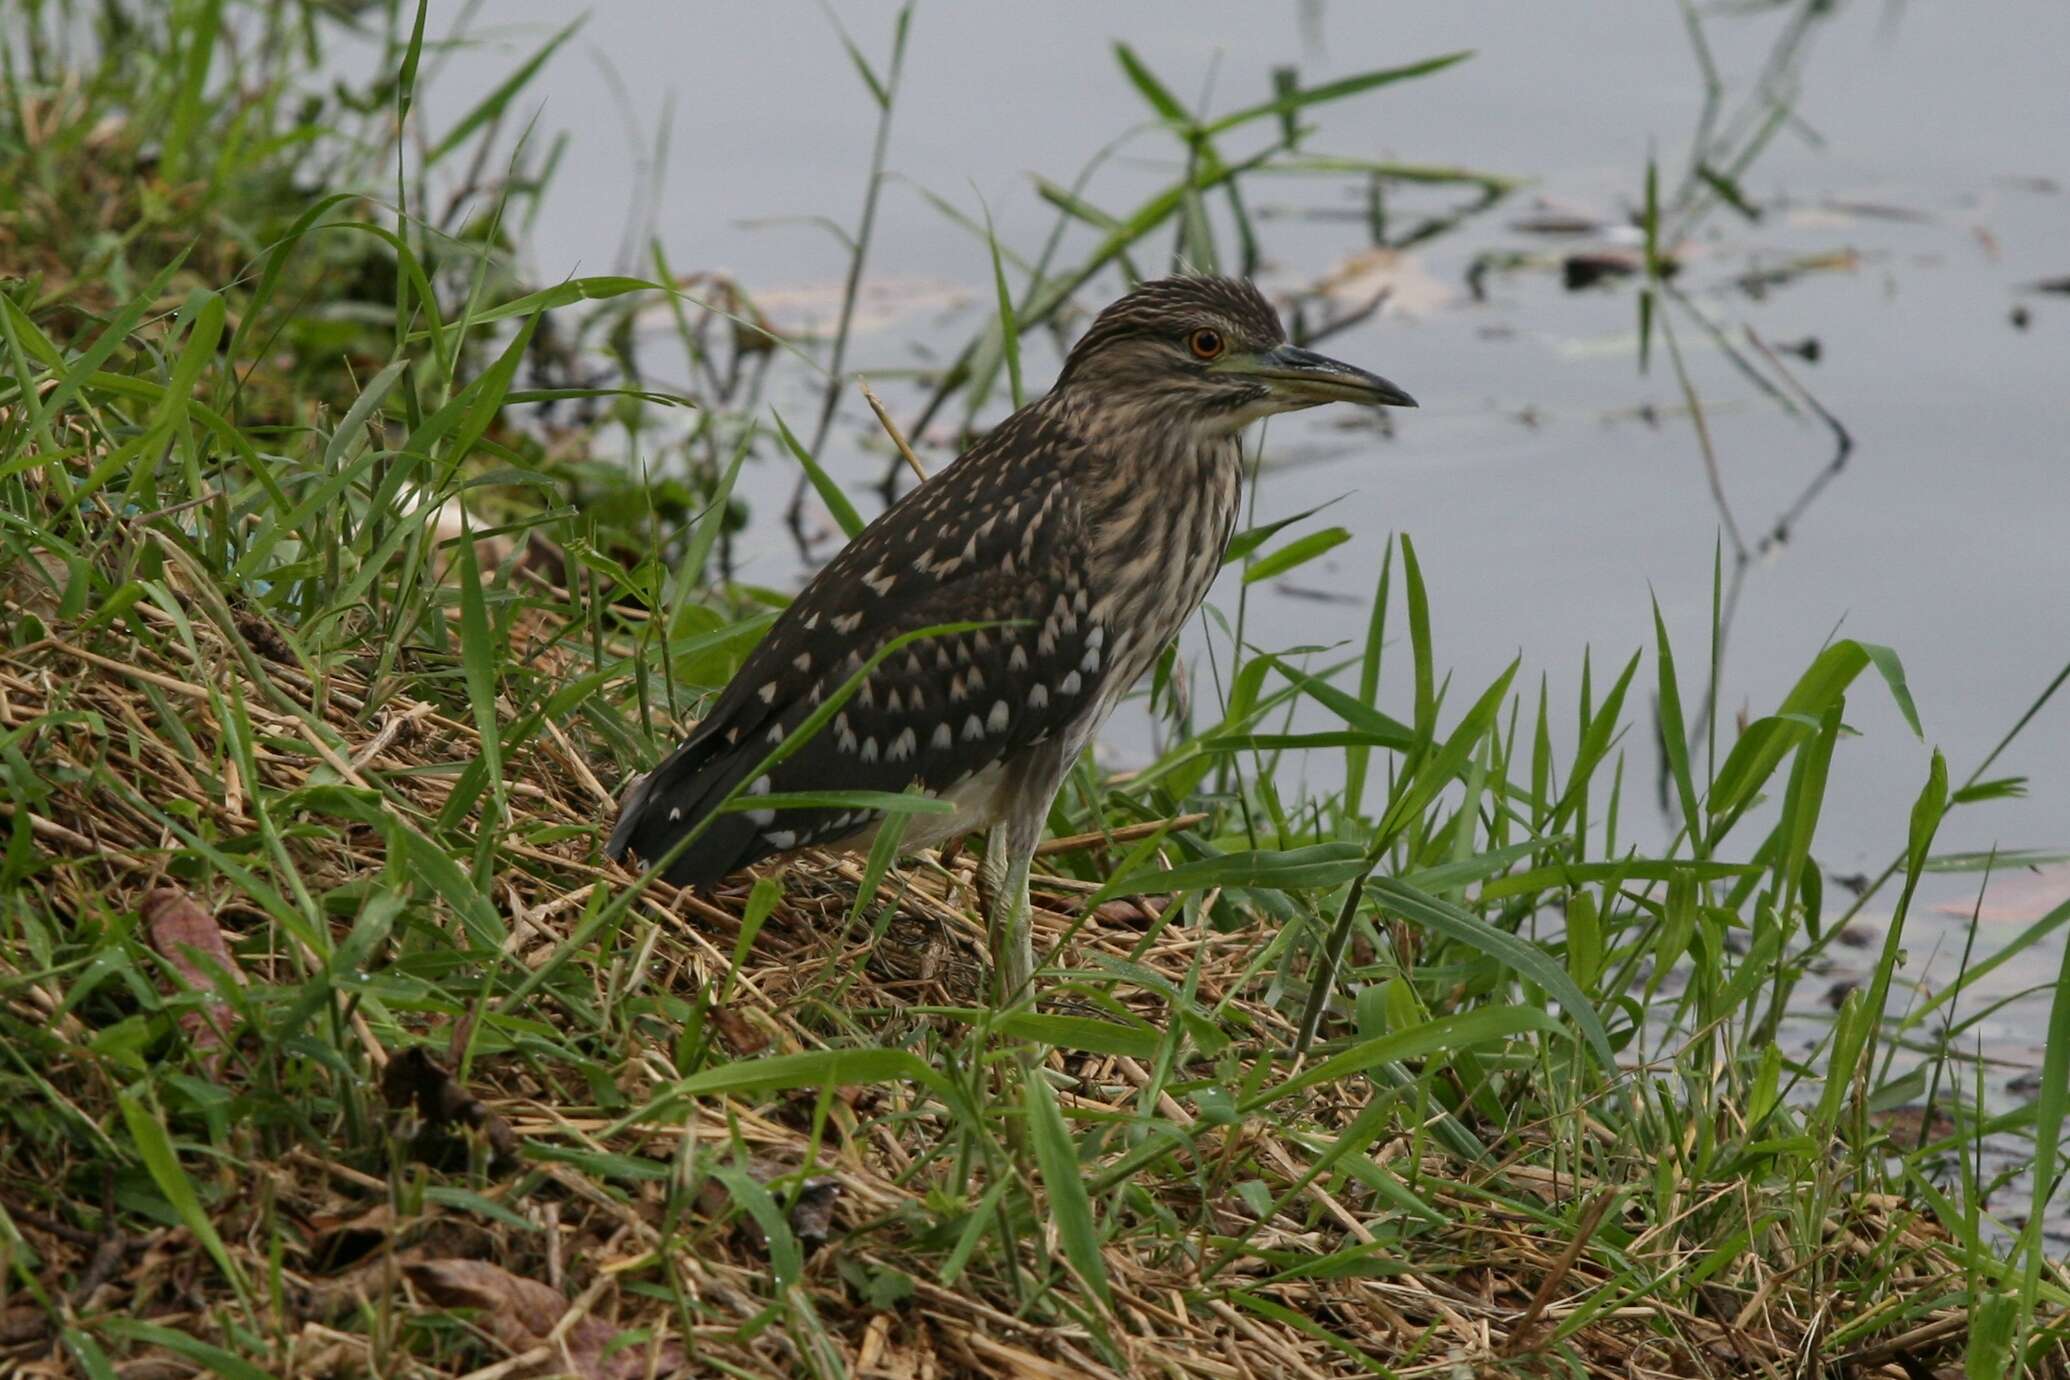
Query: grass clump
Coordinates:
[330,1044]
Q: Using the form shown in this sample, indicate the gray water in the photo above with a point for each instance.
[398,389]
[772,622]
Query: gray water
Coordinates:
[1933,141]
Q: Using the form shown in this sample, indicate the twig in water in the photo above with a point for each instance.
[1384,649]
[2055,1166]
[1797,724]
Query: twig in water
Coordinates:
[1740,554]
[1843,446]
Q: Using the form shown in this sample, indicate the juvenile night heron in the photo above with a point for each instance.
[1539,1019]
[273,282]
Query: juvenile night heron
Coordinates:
[1084,531]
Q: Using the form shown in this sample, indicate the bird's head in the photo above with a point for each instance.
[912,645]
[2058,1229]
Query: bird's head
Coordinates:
[1210,354]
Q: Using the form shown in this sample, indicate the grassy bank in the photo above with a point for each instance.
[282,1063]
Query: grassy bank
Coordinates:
[330,1043]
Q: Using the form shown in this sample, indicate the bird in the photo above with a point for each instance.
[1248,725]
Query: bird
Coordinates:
[1066,548]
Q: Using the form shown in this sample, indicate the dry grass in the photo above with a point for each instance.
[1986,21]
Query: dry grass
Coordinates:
[1503,1268]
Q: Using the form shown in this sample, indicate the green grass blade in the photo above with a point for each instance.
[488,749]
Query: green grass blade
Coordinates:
[1069,1207]
[830,493]
[1295,553]
[1461,1030]
[480,660]
[1009,331]
[1520,956]
[1358,759]
[1303,97]
[492,106]
[196,29]
[1317,866]
[1152,90]
[704,537]
[1674,731]
[155,1148]
[214,1359]
[1419,644]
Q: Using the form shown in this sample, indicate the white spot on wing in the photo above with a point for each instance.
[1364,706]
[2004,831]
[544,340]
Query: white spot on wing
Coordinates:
[869,749]
[781,839]
[761,819]
[1038,696]
[998,718]
[901,747]
[943,738]
[1069,685]
[1017,659]
[768,692]
[803,661]
[973,729]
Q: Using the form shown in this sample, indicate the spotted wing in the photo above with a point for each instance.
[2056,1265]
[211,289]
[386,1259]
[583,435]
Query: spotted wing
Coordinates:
[995,538]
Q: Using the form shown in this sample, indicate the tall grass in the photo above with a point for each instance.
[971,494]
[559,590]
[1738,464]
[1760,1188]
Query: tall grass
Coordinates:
[332,628]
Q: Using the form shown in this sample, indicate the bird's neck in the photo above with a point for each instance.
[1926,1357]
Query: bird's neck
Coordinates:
[1135,448]
[1159,503]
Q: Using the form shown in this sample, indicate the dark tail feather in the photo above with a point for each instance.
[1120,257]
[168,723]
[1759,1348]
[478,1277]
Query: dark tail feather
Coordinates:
[675,798]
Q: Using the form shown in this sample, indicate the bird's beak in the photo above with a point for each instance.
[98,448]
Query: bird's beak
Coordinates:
[1303,378]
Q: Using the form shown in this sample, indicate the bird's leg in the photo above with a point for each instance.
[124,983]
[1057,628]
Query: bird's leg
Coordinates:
[1009,852]
[1003,887]
[1009,921]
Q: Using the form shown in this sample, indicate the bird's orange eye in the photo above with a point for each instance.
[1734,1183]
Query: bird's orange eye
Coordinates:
[1205,343]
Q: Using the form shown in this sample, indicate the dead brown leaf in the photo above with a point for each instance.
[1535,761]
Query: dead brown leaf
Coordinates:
[189,940]
[1908,1127]
[414,1076]
[812,1215]
[740,1033]
[21,1323]
[1369,274]
[341,1241]
[524,1315]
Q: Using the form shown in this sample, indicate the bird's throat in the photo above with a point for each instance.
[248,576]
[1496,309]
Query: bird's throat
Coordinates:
[1162,520]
